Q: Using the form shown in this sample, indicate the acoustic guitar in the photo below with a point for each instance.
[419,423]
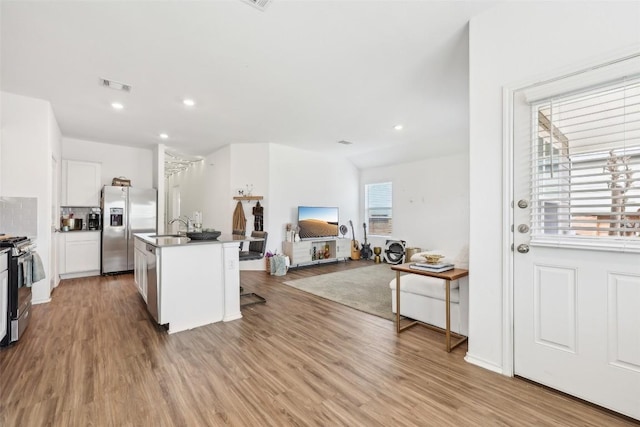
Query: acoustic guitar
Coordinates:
[365,251]
[355,250]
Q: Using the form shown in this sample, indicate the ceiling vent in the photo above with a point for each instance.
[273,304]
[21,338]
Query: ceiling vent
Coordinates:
[343,142]
[259,4]
[112,84]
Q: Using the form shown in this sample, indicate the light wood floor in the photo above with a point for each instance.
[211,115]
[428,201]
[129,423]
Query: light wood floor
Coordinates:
[92,357]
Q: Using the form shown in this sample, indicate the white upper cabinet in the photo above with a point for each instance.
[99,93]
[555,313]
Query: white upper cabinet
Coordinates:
[80,183]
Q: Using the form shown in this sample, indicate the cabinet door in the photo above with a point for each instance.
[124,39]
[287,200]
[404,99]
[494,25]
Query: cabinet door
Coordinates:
[62,248]
[343,248]
[82,253]
[4,300]
[81,186]
[140,272]
[301,252]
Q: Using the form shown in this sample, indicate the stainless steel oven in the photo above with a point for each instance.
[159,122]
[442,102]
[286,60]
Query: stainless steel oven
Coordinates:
[20,281]
[23,266]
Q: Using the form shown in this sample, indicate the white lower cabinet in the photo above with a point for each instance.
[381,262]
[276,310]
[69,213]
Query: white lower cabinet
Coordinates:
[140,268]
[317,251]
[343,248]
[79,253]
[298,252]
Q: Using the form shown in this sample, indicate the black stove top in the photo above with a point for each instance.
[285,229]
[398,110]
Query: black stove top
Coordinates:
[12,242]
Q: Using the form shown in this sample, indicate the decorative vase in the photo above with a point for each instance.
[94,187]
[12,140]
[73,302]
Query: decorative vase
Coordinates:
[296,238]
[377,250]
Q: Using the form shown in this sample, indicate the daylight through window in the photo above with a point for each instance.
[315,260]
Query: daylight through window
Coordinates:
[586,163]
[378,211]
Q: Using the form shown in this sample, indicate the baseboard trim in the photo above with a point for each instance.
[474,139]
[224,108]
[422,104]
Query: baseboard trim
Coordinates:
[469,358]
[232,317]
[80,274]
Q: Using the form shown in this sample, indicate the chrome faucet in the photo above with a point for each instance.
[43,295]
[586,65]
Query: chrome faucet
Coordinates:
[178,220]
[186,223]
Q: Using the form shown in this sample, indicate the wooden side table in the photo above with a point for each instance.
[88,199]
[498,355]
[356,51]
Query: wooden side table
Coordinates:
[447,276]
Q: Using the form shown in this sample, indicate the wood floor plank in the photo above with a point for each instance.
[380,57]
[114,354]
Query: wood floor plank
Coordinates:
[92,357]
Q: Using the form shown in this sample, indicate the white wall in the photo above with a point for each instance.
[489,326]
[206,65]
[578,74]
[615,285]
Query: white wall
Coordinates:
[250,165]
[136,164]
[304,178]
[430,203]
[30,140]
[0,103]
[512,43]
[204,187]
[286,177]
[55,176]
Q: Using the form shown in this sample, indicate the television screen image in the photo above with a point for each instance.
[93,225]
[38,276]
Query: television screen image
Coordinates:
[317,222]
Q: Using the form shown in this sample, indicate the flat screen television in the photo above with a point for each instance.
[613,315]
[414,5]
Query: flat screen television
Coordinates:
[317,222]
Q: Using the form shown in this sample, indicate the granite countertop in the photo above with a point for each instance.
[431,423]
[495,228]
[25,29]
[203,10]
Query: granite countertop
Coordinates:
[165,240]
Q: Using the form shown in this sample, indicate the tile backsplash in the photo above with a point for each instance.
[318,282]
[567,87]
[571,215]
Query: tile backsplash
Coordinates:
[19,216]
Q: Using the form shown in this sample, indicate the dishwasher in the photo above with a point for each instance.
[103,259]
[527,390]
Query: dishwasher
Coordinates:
[152,282]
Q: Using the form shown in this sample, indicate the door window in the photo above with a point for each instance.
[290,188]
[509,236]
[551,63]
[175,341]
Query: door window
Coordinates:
[585,180]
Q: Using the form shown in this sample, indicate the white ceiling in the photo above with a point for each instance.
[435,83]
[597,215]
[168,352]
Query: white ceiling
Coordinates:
[302,73]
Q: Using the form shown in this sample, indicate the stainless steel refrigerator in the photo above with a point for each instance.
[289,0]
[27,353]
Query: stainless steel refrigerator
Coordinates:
[125,211]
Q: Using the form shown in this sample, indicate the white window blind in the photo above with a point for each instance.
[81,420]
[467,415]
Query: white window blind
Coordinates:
[378,202]
[586,163]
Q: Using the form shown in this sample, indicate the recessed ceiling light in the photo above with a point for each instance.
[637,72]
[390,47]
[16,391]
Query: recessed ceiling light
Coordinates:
[164,136]
[117,106]
[398,127]
[189,102]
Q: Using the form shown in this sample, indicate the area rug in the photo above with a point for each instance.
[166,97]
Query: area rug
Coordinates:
[365,289]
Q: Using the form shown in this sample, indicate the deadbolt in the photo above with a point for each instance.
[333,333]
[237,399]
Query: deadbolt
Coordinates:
[523,249]
[523,228]
[522,204]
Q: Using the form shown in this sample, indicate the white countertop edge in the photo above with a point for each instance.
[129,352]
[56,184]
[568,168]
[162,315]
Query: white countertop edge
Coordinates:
[170,241]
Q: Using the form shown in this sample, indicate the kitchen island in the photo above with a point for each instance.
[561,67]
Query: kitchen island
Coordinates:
[188,283]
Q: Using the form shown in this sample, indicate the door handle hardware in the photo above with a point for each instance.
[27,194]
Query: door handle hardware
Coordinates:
[523,249]
[523,204]
[523,228]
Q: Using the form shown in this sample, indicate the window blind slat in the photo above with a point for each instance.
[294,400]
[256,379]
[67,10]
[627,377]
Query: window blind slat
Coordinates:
[585,163]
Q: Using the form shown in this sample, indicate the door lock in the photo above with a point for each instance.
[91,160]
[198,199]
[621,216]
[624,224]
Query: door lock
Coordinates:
[523,204]
[523,228]
[523,249]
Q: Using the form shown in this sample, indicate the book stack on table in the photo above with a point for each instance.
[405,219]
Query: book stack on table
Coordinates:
[434,268]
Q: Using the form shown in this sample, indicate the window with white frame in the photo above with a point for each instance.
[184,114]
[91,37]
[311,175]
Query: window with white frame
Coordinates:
[378,208]
[586,163]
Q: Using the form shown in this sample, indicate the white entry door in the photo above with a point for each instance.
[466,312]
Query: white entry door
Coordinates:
[576,262]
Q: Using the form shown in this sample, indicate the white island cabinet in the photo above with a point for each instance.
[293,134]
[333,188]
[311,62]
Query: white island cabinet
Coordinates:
[140,267]
[186,283]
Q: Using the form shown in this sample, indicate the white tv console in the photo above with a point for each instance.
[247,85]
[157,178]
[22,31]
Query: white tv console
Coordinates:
[301,253]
